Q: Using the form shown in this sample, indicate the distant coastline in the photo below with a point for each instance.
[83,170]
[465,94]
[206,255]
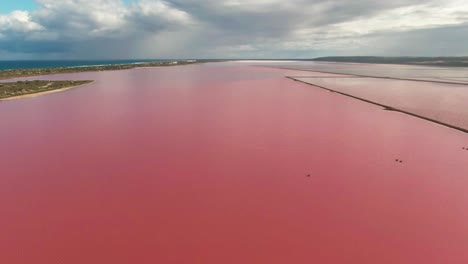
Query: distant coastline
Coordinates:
[25,89]
[28,72]
[35,64]
[422,61]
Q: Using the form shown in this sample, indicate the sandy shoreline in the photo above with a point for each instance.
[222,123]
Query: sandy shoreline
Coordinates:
[32,95]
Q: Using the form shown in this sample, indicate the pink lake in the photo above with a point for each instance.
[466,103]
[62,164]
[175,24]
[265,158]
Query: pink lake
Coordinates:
[442,102]
[209,164]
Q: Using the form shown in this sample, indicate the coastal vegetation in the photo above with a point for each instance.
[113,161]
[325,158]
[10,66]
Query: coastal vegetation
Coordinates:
[20,88]
[16,73]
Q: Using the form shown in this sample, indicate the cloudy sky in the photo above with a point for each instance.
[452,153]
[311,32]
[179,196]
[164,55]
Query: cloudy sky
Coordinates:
[120,29]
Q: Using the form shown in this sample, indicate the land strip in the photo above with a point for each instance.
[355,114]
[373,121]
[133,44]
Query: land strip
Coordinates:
[22,89]
[17,73]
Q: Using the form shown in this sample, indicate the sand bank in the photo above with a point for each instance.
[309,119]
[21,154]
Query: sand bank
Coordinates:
[36,94]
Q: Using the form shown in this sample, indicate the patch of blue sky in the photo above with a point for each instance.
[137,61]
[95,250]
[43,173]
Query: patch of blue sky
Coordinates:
[8,6]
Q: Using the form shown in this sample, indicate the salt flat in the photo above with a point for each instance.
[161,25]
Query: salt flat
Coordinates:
[441,102]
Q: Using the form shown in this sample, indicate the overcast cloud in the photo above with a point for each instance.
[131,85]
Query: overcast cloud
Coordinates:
[89,29]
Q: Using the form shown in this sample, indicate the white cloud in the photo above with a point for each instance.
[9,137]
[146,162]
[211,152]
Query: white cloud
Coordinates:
[159,10]
[18,21]
[409,18]
[225,28]
[81,18]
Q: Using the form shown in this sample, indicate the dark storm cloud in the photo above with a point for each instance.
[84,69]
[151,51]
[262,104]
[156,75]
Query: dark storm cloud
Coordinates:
[278,18]
[15,46]
[443,41]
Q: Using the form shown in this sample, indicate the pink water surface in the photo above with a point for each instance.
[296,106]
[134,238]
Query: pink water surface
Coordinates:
[446,103]
[208,164]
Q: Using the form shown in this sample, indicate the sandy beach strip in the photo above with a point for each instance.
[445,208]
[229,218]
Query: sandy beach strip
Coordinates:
[36,94]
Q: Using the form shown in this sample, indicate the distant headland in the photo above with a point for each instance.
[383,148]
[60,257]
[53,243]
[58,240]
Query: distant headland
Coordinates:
[22,89]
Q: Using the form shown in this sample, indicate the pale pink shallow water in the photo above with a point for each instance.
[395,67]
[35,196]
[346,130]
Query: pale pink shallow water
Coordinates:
[414,72]
[208,164]
[446,103]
